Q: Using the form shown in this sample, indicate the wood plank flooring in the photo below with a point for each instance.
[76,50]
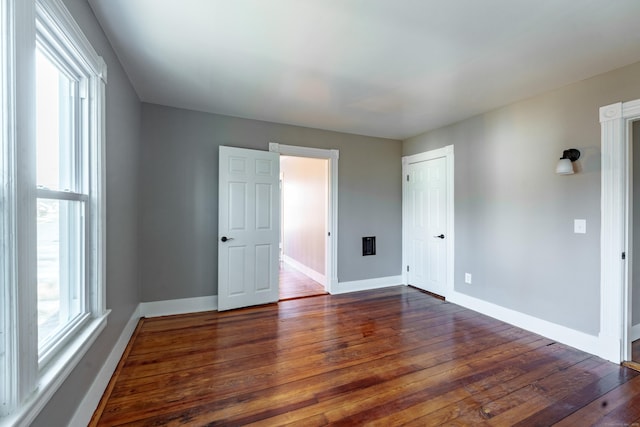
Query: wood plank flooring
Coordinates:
[294,284]
[393,356]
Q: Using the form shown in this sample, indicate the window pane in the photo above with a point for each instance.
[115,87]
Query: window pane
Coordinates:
[60,266]
[54,123]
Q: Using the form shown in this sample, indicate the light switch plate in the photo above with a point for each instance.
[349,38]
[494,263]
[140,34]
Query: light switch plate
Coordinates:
[580,226]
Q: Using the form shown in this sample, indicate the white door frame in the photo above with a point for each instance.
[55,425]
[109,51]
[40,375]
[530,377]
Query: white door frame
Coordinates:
[615,303]
[331,249]
[447,153]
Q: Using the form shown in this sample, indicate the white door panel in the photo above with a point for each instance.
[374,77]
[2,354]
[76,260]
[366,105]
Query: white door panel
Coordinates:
[249,212]
[427,190]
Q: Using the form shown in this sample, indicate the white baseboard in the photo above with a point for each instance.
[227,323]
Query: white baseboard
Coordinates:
[580,340]
[309,272]
[178,306]
[90,402]
[364,285]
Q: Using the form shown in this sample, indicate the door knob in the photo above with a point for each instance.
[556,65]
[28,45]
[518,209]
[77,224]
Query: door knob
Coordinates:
[437,237]
[226,239]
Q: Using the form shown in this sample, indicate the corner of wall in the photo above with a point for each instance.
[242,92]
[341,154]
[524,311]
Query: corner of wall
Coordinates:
[91,400]
[178,306]
[596,345]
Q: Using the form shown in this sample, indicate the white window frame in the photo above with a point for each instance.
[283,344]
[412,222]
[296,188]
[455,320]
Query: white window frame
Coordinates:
[27,383]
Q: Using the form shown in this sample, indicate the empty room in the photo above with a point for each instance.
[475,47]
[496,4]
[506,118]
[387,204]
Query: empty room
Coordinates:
[356,212]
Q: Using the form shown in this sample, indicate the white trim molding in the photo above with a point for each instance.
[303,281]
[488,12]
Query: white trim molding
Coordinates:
[367,284]
[562,334]
[55,19]
[615,318]
[298,151]
[18,358]
[448,153]
[178,306]
[331,258]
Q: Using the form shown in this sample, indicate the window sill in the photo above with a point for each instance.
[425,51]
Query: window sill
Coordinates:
[56,371]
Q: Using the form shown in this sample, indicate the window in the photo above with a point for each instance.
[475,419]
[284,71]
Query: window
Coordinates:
[62,194]
[52,303]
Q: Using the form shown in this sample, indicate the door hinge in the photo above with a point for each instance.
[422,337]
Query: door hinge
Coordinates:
[407,177]
[624,255]
[407,268]
[329,234]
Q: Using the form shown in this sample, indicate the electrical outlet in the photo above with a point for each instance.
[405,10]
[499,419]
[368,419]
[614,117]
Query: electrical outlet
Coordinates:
[467,278]
[580,226]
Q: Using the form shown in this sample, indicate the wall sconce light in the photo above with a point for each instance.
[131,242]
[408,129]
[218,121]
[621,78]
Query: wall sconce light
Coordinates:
[565,164]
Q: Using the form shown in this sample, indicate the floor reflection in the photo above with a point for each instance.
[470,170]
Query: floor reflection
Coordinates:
[294,284]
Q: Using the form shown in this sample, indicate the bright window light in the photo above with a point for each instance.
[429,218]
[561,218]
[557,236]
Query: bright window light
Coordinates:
[61,203]
[54,125]
[60,266]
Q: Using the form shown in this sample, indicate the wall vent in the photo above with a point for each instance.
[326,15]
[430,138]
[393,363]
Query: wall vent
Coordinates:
[368,245]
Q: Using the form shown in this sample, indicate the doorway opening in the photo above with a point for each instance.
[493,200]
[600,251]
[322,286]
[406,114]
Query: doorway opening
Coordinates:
[309,206]
[617,328]
[634,244]
[428,228]
[304,190]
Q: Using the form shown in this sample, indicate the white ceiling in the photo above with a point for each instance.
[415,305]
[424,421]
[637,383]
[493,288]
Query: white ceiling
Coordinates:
[389,68]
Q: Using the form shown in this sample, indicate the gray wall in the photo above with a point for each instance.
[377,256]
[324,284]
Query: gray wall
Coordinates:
[179,197]
[122,155]
[514,215]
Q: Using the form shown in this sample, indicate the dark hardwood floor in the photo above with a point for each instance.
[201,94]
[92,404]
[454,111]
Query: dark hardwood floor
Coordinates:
[385,357]
[294,284]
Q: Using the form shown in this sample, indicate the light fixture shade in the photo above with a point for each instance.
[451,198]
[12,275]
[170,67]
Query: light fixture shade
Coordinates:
[564,167]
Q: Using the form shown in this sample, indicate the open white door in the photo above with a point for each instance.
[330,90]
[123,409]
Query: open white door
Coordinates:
[248,227]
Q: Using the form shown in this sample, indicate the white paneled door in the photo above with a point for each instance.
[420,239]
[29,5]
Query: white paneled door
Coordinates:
[248,227]
[427,225]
